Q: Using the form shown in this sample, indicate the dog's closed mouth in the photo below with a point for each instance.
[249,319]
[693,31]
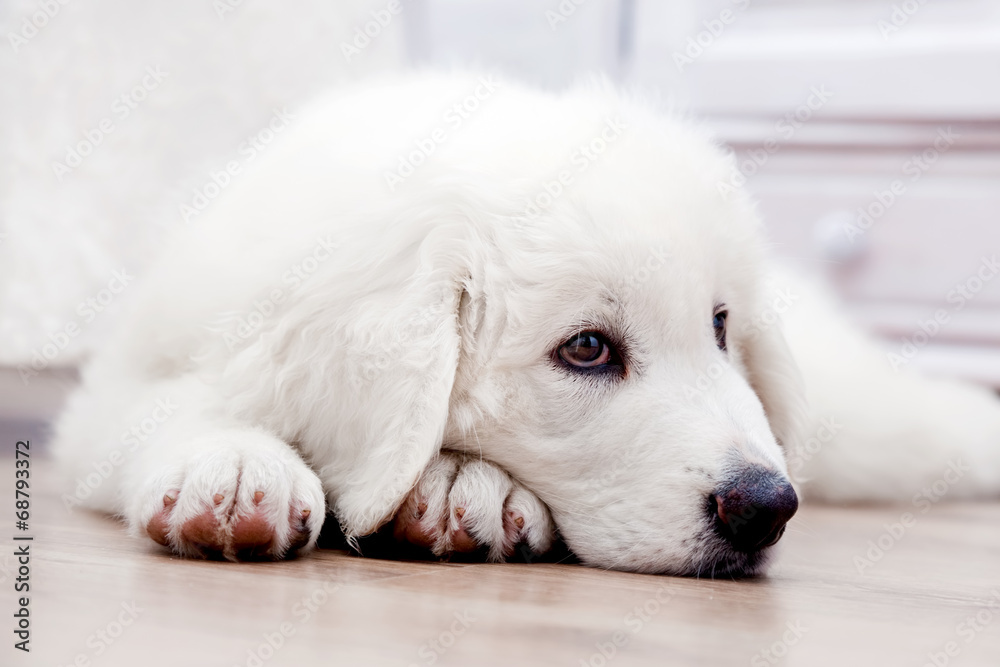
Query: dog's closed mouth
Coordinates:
[731,564]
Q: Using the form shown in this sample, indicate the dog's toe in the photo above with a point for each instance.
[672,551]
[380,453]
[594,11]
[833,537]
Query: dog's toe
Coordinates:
[252,535]
[459,540]
[528,520]
[423,518]
[159,525]
[203,532]
[465,505]
[476,518]
[299,518]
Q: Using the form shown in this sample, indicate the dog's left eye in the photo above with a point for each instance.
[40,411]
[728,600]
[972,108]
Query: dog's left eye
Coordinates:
[588,350]
[719,322]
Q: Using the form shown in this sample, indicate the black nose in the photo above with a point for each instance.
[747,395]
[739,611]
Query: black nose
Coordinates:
[751,511]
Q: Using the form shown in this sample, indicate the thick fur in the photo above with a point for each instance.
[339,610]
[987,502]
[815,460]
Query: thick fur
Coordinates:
[324,331]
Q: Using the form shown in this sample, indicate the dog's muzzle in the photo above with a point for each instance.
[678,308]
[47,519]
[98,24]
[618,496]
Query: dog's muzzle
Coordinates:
[750,512]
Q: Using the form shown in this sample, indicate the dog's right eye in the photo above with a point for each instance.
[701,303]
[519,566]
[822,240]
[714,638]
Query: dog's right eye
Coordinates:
[589,350]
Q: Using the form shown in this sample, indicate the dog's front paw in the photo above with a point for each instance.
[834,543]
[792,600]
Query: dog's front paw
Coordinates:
[461,505]
[242,496]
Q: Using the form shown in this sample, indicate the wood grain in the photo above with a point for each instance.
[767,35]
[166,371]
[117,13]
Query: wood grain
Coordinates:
[339,609]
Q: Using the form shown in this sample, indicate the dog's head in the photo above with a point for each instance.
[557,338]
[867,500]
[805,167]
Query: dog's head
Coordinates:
[620,377]
[598,336]
[616,362]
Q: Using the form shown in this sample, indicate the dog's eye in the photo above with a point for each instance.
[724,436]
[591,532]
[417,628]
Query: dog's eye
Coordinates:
[587,350]
[719,322]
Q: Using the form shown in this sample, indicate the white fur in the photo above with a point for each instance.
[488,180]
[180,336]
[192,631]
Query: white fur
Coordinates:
[433,324]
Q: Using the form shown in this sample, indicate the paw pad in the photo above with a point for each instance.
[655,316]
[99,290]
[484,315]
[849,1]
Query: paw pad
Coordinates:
[244,501]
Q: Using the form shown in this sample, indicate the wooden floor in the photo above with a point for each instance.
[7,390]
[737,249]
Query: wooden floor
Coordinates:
[101,598]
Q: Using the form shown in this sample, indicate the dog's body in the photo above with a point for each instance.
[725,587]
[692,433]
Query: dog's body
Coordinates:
[403,273]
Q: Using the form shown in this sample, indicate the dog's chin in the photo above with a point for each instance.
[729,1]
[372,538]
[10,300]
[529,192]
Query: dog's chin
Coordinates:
[715,559]
[724,562]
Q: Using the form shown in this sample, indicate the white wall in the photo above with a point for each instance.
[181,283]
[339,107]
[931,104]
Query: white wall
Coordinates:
[224,67]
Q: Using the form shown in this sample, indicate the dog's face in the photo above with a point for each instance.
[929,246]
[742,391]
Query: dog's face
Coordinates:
[600,350]
[618,352]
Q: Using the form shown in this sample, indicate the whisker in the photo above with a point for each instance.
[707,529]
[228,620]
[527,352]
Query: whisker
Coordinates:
[630,550]
[478,443]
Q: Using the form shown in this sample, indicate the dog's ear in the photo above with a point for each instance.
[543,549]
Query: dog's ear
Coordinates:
[776,379]
[357,368]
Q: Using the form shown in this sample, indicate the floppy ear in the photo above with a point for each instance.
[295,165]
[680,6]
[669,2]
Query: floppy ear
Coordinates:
[357,368]
[776,379]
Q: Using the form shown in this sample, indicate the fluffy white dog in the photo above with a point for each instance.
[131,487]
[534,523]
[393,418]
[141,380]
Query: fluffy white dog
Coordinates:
[486,312]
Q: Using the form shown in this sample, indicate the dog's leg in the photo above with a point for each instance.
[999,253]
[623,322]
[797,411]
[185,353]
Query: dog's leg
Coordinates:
[883,433]
[462,504]
[185,476]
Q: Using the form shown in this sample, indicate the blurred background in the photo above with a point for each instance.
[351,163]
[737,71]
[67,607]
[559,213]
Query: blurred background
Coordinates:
[868,130]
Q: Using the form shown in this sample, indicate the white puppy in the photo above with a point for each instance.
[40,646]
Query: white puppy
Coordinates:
[486,312]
